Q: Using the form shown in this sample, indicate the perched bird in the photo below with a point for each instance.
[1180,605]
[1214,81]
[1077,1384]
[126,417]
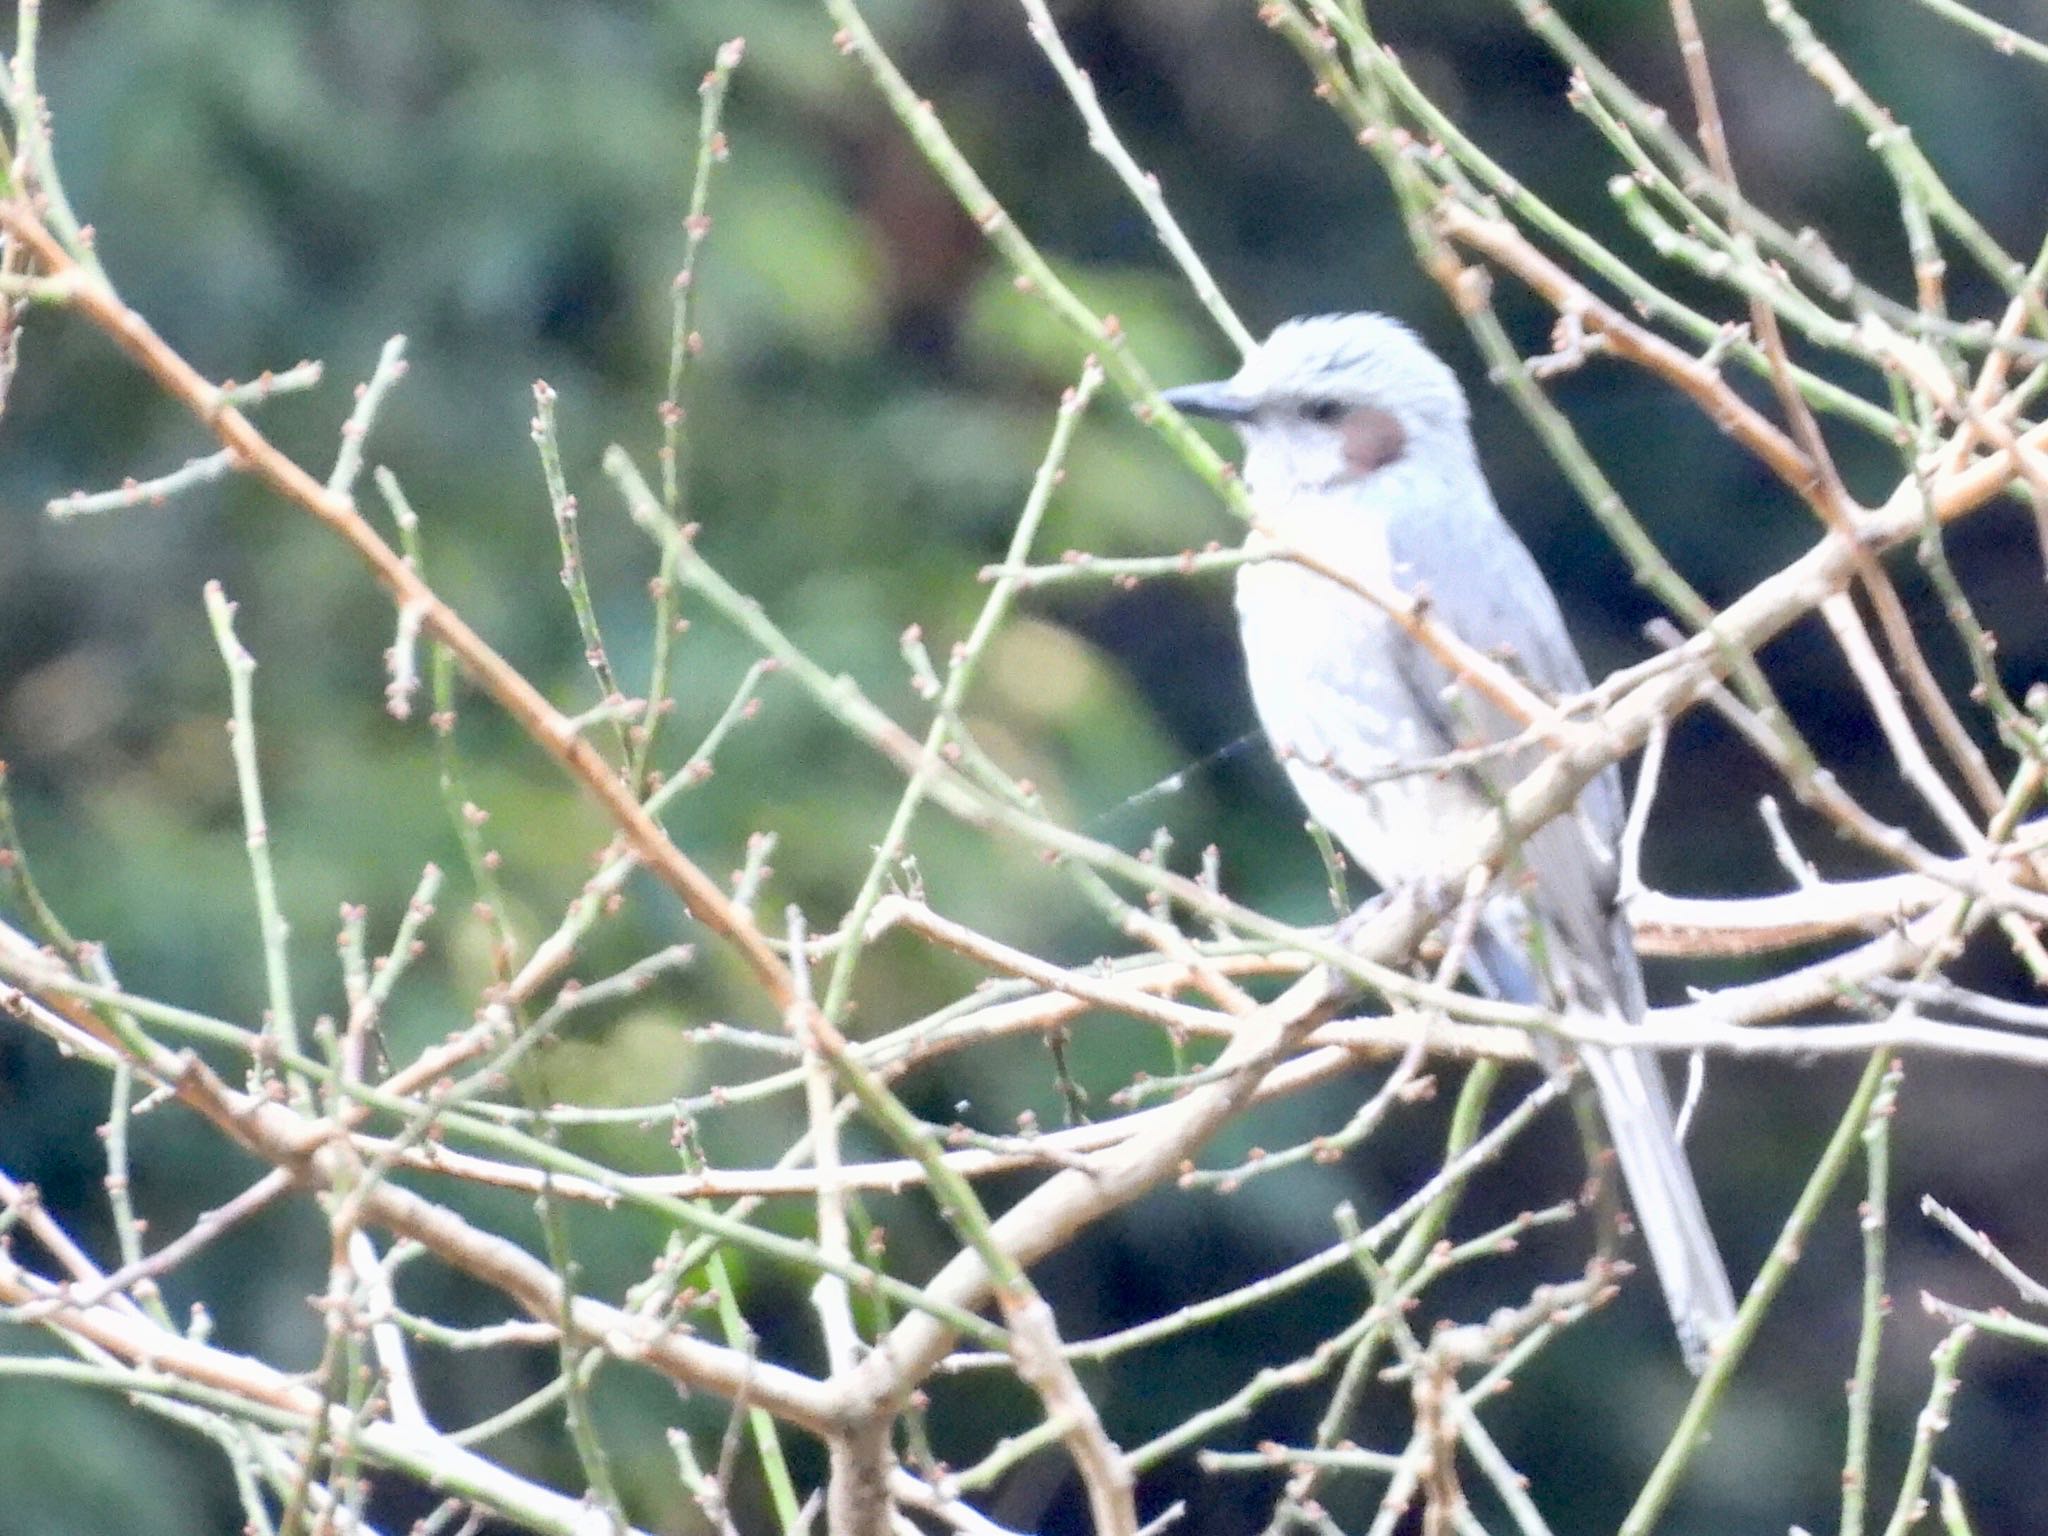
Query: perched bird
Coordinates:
[1358,452]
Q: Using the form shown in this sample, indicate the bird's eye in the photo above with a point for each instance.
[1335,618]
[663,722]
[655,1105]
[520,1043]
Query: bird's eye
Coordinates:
[1321,411]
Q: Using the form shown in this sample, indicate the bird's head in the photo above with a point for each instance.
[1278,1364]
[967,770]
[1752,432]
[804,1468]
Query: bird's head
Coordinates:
[1334,400]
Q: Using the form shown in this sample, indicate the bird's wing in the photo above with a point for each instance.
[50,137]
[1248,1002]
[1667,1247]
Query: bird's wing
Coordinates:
[1483,585]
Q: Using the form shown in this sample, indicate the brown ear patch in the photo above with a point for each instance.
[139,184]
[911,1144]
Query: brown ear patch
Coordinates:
[1372,439]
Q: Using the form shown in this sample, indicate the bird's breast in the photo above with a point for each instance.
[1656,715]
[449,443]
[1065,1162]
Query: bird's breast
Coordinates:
[1298,617]
[1326,675]
[1324,669]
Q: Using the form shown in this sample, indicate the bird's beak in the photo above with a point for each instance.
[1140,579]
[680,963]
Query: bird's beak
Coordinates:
[1219,401]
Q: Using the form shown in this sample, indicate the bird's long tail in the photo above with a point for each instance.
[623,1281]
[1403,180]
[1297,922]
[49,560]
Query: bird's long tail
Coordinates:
[1637,1108]
[1636,1105]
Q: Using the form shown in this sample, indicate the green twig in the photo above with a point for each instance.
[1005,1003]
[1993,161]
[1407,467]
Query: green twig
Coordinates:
[1691,1431]
[575,579]
[355,432]
[464,816]
[281,1021]
[31,116]
[683,345]
[960,676]
[1139,182]
[2001,37]
[583,1433]
[1876,1304]
[1100,335]
[1911,1507]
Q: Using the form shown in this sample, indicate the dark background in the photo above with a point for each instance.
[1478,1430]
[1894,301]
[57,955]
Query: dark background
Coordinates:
[502,182]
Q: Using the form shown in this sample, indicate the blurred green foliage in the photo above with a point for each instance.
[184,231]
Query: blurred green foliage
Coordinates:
[502,182]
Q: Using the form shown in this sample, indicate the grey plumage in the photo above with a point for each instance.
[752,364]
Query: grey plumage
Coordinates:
[1358,450]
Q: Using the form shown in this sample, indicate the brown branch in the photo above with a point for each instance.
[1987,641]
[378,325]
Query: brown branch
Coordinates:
[1823,489]
[1693,670]
[318,1156]
[1669,925]
[1699,381]
[1069,1202]
[155,1353]
[553,731]
[1804,464]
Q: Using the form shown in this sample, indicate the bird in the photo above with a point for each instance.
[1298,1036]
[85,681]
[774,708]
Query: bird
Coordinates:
[1358,454]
